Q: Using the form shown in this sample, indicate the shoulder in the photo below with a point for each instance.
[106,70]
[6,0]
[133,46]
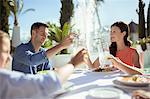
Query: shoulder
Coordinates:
[9,74]
[43,49]
[132,50]
[22,45]
[22,48]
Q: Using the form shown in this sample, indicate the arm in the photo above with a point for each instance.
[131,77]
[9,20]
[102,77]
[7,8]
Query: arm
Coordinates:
[65,71]
[23,55]
[124,67]
[63,45]
[96,63]
[136,60]
[16,85]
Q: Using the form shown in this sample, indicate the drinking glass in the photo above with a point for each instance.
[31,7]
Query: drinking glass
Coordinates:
[78,43]
[103,59]
[104,50]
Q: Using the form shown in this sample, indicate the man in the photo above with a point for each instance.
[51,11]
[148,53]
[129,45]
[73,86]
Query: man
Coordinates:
[16,85]
[31,58]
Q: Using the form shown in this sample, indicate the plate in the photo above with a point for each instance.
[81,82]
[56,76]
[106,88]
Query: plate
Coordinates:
[134,80]
[105,93]
[79,70]
[123,86]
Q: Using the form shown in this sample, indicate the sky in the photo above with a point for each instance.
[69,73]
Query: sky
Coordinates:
[49,11]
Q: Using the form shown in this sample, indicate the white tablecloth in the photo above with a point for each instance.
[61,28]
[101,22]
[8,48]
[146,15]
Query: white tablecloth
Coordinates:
[83,82]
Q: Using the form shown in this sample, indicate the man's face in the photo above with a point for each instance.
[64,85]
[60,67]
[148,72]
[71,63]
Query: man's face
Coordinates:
[4,51]
[41,35]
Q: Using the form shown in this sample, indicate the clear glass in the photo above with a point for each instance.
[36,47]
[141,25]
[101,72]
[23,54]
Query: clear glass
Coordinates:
[78,43]
[104,43]
[103,59]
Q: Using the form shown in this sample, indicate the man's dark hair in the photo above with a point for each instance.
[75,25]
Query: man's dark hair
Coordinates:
[37,25]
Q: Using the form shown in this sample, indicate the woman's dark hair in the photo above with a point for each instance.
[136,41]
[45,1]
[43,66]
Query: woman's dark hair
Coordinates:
[123,27]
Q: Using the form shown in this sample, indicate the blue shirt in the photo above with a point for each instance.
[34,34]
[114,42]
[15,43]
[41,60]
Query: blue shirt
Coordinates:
[26,60]
[16,85]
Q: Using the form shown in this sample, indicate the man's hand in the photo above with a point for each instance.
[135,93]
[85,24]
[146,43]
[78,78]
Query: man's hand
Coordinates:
[67,41]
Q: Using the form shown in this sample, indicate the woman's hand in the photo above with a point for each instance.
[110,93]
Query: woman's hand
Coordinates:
[79,58]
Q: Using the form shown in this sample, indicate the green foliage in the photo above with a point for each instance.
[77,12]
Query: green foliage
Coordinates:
[143,40]
[57,34]
[47,44]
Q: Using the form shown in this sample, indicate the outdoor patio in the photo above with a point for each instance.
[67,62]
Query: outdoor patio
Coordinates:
[91,22]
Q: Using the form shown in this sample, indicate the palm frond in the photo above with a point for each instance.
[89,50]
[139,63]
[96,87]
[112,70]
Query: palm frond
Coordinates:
[65,30]
[31,9]
[20,6]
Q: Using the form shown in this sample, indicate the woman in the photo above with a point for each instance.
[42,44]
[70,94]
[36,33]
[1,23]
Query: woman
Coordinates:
[125,58]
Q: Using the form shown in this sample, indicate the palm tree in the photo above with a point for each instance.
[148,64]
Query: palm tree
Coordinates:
[4,14]
[16,8]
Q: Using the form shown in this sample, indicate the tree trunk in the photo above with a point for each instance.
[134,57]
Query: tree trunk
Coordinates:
[66,11]
[148,20]
[4,14]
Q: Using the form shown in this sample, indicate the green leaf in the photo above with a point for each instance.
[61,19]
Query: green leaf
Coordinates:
[65,30]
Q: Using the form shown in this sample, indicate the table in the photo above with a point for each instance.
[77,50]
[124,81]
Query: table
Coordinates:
[85,81]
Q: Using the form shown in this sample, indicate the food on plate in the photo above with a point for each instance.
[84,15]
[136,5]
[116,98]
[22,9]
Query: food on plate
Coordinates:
[105,69]
[135,79]
[140,94]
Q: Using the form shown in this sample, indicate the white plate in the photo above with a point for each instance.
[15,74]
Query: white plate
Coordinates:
[79,70]
[105,93]
[123,86]
[127,80]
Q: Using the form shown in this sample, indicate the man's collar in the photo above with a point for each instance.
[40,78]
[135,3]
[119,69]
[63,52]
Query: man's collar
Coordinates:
[32,47]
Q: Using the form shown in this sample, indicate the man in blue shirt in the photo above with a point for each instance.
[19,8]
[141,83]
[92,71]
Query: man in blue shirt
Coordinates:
[30,57]
[16,85]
